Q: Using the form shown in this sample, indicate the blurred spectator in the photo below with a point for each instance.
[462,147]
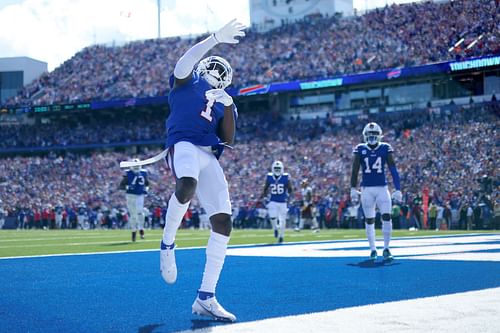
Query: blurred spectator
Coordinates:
[315,47]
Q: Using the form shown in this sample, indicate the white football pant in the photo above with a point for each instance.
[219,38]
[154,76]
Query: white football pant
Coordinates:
[135,206]
[375,196]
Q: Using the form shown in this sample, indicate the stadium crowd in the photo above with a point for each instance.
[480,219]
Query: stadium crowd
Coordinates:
[394,36]
[451,151]
[91,130]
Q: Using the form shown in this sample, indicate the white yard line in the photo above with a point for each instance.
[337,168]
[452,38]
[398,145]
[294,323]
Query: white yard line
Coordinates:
[475,311]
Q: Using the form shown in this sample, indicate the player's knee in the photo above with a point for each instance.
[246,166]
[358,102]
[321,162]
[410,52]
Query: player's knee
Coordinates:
[386,217]
[370,221]
[221,224]
[185,189]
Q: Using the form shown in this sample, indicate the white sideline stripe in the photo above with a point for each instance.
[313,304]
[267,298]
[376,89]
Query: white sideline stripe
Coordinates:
[115,237]
[412,248]
[257,246]
[116,252]
[475,311]
[87,243]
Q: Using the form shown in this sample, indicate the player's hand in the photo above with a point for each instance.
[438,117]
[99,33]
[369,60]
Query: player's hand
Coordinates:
[355,195]
[397,196]
[229,32]
[219,95]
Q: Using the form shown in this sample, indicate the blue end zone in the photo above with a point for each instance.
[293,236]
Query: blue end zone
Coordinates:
[125,293]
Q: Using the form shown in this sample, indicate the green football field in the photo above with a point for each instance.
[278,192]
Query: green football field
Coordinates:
[41,242]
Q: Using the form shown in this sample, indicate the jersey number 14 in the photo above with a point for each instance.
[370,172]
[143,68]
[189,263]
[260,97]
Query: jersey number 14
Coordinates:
[375,166]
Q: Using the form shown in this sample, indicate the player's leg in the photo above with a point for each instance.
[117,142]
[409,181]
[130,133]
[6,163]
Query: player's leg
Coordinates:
[314,220]
[184,163]
[139,205]
[368,205]
[383,201]
[302,220]
[213,194]
[132,212]
[273,216]
[282,221]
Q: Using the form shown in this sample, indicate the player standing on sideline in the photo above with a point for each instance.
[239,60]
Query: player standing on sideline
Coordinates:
[281,189]
[308,208]
[201,122]
[136,184]
[372,156]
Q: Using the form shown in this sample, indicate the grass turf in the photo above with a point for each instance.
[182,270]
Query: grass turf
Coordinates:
[15,243]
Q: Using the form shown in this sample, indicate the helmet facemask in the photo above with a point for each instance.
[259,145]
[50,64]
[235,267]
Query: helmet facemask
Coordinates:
[372,134]
[277,168]
[216,71]
[136,168]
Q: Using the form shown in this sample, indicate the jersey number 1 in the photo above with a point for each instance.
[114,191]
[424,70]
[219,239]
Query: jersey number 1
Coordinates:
[376,166]
[207,113]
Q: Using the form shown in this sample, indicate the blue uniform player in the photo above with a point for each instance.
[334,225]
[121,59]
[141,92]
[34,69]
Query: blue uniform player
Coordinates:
[201,122]
[136,184]
[280,186]
[371,157]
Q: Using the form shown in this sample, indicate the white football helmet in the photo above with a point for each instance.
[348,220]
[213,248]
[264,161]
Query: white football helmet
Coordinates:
[277,168]
[372,133]
[136,168]
[216,71]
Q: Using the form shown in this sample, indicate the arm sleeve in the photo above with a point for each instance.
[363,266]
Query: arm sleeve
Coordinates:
[186,63]
[395,177]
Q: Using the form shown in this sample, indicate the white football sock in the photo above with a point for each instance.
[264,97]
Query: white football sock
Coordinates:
[274,223]
[282,225]
[387,231]
[175,213]
[216,253]
[370,234]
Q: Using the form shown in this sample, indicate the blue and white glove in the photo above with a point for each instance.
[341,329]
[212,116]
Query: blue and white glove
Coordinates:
[219,95]
[229,32]
[355,195]
[397,196]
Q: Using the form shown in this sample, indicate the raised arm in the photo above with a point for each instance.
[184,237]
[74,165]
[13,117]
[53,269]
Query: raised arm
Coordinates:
[185,65]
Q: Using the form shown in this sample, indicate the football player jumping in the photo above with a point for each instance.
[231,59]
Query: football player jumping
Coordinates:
[371,157]
[280,187]
[201,122]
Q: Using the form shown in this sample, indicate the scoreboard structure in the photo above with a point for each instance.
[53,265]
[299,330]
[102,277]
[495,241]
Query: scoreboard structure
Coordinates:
[16,72]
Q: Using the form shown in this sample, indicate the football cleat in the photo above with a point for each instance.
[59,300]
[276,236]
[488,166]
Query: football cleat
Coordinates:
[280,240]
[168,268]
[373,255]
[275,233]
[211,308]
[387,255]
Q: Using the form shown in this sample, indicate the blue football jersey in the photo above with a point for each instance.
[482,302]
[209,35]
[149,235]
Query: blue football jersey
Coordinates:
[191,118]
[136,182]
[278,187]
[372,163]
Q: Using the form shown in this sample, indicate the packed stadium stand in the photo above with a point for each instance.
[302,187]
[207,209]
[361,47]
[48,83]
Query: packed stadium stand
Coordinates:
[397,35]
[452,150]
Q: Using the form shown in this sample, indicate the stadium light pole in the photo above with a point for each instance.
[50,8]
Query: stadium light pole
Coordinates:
[159,22]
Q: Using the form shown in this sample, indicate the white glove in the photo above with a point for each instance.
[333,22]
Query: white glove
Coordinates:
[219,95]
[227,33]
[397,196]
[355,195]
